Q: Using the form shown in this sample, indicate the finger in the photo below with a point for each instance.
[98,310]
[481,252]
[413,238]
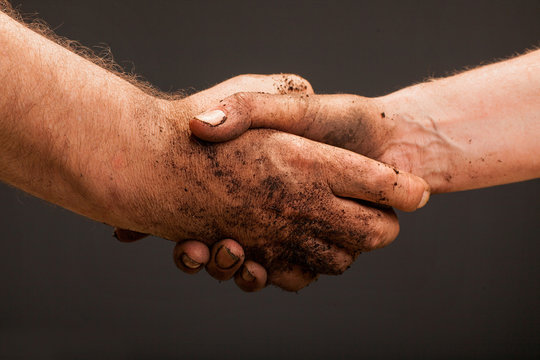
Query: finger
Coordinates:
[270,84]
[225,259]
[355,176]
[364,228]
[124,235]
[324,258]
[251,277]
[334,119]
[191,256]
[292,279]
[242,111]
[348,121]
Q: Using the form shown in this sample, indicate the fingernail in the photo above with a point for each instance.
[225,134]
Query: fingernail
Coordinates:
[212,117]
[425,198]
[225,259]
[246,275]
[189,262]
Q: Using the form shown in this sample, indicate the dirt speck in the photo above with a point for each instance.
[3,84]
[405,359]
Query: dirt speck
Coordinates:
[288,85]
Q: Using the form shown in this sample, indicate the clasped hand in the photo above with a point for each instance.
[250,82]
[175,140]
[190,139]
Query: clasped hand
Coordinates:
[296,208]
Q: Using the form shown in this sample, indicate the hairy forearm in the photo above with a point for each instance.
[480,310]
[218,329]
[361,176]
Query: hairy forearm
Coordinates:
[475,129]
[57,114]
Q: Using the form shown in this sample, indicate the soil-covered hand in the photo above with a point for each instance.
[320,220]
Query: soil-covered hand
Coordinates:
[287,200]
[351,122]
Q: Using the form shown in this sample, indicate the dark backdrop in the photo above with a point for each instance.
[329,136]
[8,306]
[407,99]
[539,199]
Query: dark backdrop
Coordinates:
[461,280]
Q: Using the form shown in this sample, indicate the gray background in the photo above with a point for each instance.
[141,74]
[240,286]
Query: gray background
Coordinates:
[461,281]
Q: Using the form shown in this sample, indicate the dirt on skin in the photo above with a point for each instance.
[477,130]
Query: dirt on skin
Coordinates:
[290,85]
[272,216]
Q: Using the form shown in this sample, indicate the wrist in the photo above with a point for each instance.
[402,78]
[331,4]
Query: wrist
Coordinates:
[115,162]
[156,160]
[415,143]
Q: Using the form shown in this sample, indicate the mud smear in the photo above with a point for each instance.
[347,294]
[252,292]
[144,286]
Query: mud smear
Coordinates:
[241,190]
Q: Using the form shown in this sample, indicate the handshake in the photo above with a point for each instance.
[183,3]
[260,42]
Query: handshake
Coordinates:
[278,207]
[261,179]
[258,177]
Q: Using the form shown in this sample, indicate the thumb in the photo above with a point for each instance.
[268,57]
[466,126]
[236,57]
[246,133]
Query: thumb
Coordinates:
[238,113]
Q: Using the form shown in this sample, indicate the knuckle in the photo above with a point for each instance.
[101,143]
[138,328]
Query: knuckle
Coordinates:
[292,83]
[383,179]
[382,234]
[239,100]
[342,262]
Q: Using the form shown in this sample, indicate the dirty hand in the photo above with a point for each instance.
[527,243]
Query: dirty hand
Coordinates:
[448,131]
[347,121]
[287,200]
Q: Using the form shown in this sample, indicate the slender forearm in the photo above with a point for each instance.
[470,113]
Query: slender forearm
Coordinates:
[476,129]
[57,112]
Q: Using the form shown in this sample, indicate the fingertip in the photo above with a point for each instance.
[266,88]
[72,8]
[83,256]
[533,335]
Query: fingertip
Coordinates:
[191,256]
[251,277]
[293,279]
[204,131]
[425,198]
[212,117]
[225,259]
[417,193]
[128,236]
[225,122]
[363,178]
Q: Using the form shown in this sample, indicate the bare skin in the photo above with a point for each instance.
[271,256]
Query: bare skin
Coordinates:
[81,137]
[476,129]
